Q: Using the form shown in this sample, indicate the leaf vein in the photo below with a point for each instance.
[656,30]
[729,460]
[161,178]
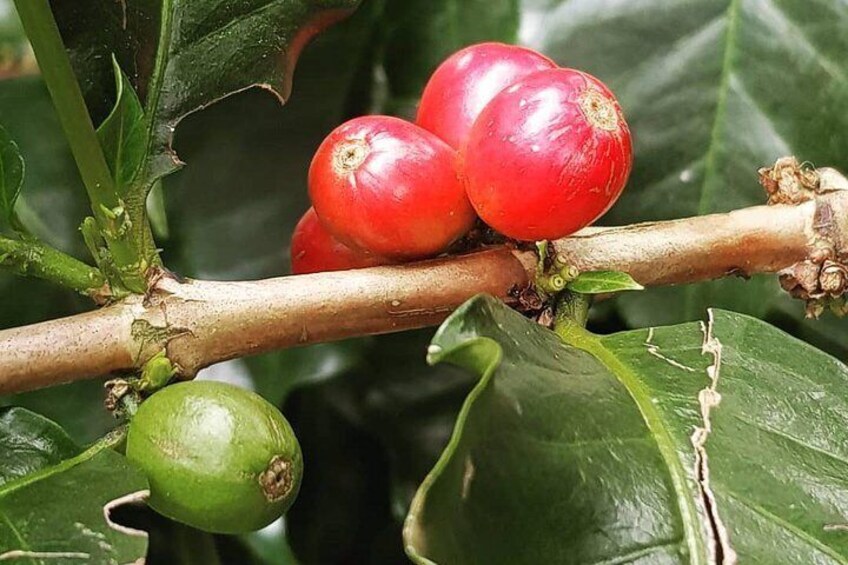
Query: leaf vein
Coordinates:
[787,526]
[797,441]
[638,553]
[689,514]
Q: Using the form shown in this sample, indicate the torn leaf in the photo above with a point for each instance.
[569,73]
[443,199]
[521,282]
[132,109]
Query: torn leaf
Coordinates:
[686,444]
[53,494]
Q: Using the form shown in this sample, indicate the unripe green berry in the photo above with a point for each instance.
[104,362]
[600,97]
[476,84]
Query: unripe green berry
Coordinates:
[217,457]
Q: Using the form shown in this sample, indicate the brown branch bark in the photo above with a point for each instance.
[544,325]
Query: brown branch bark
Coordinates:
[202,322]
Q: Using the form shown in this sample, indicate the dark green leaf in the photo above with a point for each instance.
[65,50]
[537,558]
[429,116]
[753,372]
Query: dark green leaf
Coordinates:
[78,406]
[11,177]
[409,406]
[658,445]
[55,511]
[29,442]
[244,191]
[278,374]
[712,90]
[183,56]
[51,206]
[420,34]
[123,133]
[374,433]
[54,201]
[601,282]
[343,497]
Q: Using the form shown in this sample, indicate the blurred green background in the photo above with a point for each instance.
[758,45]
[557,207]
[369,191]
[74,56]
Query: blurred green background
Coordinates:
[713,89]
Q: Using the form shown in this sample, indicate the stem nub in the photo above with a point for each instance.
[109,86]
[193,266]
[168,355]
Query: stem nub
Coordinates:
[277,480]
[599,110]
[349,155]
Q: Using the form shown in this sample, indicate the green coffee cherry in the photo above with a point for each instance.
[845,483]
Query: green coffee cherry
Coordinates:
[217,457]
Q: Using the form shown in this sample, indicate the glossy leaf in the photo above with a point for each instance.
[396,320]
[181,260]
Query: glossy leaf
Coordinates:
[78,406]
[276,375]
[712,90]
[244,191]
[343,496]
[123,134]
[52,495]
[666,445]
[184,55]
[601,282]
[29,443]
[11,177]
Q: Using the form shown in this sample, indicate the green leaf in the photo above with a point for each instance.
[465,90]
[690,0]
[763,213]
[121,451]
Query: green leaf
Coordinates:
[53,203]
[29,443]
[712,90]
[420,34]
[123,133]
[245,190]
[53,494]
[78,406]
[372,434]
[664,445]
[175,543]
[184,55]
[601,282]
[344,496]
[51,206]
[276,375]
[11,177]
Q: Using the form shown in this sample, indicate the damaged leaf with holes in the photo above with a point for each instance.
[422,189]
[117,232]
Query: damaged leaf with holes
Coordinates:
[55,495]
[698,443]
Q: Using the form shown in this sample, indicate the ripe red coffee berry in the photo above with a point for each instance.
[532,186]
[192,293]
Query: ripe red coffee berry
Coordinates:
[467,81]
[315,250]
[389,187]
[548,155]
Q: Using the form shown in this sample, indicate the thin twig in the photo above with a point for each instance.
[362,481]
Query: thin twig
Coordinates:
[30,257]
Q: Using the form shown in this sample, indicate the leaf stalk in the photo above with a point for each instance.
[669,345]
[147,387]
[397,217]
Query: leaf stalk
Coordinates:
[54,63]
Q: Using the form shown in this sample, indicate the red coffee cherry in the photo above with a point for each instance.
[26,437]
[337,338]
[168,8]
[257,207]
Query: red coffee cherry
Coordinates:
[389,187]
[548,155]
[467,80]
[315,250]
